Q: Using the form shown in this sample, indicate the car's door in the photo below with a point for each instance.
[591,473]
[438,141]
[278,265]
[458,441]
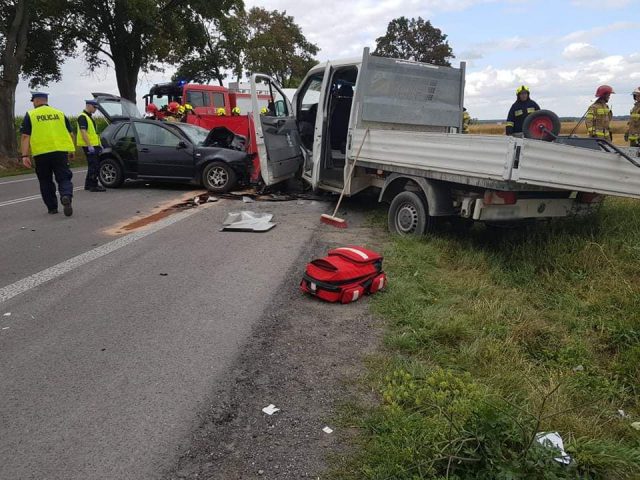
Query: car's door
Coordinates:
[124,145]
[277,138]
[162,152]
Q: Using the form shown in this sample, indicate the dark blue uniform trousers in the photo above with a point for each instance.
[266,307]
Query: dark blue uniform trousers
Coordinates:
[93,165]
[49,165]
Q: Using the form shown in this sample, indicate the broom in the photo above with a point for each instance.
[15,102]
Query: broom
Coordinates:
[332,219]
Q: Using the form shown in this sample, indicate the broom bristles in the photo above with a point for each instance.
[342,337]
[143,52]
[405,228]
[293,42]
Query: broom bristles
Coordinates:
[333,221]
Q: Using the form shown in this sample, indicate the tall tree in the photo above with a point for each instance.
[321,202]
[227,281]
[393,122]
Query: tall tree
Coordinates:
[140,35]
[277,46]
[414,39]
[32,44]
[218,47]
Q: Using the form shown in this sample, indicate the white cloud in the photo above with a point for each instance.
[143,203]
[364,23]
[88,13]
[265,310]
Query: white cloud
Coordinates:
[589,35]
[599,3]
[581,51]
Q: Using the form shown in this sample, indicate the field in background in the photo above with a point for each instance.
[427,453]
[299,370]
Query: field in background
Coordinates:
[618,128]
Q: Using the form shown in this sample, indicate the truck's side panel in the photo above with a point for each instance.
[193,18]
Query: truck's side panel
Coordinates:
[488,157]
[574,168]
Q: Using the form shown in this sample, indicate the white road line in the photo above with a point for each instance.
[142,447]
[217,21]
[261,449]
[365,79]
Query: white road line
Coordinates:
[6,203]
[33,178]
[51,273]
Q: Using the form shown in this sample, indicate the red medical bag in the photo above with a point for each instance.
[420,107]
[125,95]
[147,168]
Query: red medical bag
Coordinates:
[344,275]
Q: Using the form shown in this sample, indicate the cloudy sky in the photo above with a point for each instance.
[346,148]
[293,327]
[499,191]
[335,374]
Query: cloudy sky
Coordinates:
[561,49]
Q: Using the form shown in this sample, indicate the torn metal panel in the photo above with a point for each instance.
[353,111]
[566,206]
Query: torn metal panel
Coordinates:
[247,221]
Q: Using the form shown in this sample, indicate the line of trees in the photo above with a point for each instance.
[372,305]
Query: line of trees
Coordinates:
[204,39]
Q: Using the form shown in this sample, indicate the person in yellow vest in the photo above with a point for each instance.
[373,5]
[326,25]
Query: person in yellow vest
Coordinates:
[632,135]
[599,115]
[88,138]
[47,137]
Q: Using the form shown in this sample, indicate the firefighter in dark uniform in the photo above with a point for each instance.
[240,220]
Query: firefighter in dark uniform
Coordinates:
[88,138]
[522,107]
[47,137]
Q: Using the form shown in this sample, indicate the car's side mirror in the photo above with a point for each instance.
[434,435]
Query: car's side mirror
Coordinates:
[181,144]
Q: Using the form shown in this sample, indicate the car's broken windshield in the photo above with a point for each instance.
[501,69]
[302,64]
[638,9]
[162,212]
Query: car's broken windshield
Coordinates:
[197,135]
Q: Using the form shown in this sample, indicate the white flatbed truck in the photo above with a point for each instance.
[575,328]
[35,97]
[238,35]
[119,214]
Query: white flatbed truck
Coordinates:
[407,118]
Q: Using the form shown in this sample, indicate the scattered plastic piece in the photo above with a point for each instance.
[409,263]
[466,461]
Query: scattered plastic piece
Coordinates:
[554,440]
[636,425]
[196,200]
[247,221]
[271,409]
[578,368]
[246,199]
[622,413]
[164,274]
[8,314]
[5,328]
[327,430]
[212,199]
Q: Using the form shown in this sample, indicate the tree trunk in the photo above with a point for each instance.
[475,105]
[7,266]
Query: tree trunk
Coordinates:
[11,61]
[126,76]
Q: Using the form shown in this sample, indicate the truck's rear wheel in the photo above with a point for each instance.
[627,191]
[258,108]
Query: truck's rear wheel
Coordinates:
[408,214]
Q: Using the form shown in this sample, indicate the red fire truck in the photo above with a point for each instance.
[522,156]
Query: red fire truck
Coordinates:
[206,101]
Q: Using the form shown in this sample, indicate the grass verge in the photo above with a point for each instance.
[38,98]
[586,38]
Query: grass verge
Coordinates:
[495,336]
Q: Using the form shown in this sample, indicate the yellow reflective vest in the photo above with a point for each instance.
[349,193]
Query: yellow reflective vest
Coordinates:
[49,131]
[598,119]
[633,127]
[94,138]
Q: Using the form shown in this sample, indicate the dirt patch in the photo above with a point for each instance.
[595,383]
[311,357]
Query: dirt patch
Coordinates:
[303,357]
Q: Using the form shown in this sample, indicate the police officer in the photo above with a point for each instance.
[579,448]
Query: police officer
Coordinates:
[599,115]
[632,135]
[47,137]
[88,138]
[522,107]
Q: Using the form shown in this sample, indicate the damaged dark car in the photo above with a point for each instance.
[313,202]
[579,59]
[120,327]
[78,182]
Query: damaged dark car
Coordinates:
[137,148]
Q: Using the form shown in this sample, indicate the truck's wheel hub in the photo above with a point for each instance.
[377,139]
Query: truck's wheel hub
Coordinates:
[407,218]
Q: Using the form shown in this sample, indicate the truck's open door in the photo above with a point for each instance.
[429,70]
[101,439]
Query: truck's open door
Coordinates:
[277,138]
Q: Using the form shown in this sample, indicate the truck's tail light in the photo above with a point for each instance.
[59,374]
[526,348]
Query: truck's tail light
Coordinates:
[584,197]
[492,197]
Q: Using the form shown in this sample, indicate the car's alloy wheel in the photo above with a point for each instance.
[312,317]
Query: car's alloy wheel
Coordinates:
[217,177]
[108,173]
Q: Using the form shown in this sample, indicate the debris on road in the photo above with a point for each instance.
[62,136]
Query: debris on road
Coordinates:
[5,328]
[554,440]
[247,221]
[270,409]
[246,199]
[8,314]
[212,199]
[164,274]
[327,430]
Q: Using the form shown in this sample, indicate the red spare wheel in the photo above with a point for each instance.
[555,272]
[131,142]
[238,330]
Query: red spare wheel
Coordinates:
[541,125]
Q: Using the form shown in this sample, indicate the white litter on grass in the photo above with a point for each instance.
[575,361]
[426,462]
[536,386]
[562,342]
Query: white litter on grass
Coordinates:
[636,425]
[554,440]
[271,409]
[327,430]
[622,413]
[8,314]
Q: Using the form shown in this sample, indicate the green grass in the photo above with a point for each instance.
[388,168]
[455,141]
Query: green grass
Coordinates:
[494,336]
[8,169]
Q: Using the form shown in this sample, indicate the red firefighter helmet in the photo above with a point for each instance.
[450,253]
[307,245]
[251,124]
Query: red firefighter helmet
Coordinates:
[173,107]
[152,108]
[603,90]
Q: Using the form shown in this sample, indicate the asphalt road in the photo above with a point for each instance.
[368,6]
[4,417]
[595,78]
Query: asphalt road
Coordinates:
[115,342]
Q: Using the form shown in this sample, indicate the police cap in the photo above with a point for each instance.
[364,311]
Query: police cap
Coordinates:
[35,95]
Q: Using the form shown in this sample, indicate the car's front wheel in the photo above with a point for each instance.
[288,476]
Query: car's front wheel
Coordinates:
[218,177]
[111,173]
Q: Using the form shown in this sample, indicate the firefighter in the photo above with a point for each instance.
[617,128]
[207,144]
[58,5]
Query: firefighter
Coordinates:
[221,112]
[88,138]
[520,110]
[466,120]
[173,112]
[235,111]
[47,136]
[151,111]
[632,135]
[598,117]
